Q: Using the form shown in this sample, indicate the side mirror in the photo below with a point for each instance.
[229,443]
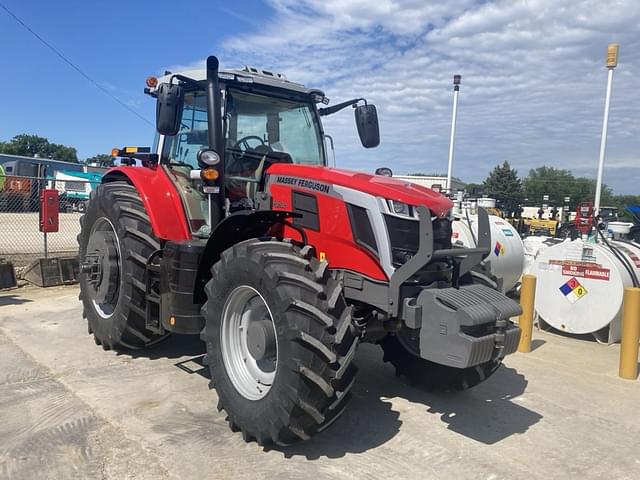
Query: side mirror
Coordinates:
[367,123]
[384,172]
[169,106]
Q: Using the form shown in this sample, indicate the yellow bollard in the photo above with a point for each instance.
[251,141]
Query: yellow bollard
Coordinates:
[630,334]
[527,299]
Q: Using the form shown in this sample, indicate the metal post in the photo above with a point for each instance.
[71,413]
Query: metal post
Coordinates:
[45,245]
[457,79]
[630,334]
[612,62]
[525,321]
[211,214]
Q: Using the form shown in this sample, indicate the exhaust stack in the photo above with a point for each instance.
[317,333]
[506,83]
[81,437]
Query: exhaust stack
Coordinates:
[214,118]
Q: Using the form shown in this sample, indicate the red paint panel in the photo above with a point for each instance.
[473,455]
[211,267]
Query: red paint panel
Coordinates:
[334,239]
[377,185]
[161,201]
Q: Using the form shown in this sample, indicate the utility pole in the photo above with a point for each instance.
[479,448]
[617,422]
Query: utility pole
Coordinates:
[611,63]
[457,79]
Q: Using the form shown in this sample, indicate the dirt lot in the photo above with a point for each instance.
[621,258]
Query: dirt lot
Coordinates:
[68,409]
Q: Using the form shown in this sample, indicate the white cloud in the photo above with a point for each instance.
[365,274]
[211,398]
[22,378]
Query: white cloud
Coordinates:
[533,79]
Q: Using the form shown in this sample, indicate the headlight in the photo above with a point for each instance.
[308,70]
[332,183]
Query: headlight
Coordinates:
[208,158]
[400,208]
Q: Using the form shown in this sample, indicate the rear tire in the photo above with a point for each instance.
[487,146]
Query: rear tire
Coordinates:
[430,375]
[114,293]
[314,343]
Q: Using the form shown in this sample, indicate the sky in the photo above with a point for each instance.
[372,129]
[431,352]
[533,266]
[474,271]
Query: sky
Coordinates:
[532,93]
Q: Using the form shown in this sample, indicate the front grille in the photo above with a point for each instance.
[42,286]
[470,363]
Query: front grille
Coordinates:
[404,235]
[441,233]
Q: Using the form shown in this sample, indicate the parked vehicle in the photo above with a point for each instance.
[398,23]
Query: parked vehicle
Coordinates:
[235,229]
[74,188]
[24,177]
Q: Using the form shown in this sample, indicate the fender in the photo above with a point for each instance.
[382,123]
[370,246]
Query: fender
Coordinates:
[160,199]
[235,228]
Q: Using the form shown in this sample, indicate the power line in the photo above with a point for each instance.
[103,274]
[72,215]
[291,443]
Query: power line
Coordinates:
[73,65]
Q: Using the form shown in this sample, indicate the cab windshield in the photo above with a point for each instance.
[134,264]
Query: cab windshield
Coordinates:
[255,126]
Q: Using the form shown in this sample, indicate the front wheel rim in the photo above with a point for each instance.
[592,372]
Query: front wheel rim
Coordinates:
[97,260]
[248,342]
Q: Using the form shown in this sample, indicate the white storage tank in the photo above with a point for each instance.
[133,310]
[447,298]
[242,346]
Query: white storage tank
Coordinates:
[580,286]
[507,253]
[619,230]
[487,202]
[533,245]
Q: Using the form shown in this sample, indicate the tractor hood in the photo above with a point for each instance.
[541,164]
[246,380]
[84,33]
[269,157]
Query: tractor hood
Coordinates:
[386,187]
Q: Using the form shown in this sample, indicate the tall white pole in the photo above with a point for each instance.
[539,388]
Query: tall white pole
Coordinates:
[612,62]
[456,88]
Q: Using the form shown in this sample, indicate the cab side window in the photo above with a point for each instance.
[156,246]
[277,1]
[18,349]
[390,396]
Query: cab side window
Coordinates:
[182,149]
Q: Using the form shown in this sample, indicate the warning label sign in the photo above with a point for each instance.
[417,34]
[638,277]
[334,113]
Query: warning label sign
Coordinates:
[594,273]
[573,290]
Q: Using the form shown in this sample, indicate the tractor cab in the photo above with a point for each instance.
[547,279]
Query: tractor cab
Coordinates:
[264,119]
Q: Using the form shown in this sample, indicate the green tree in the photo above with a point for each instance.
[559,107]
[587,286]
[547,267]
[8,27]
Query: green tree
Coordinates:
[31,145]
[554,182]
[560,183]
[474,189]
[101,159]
[504,185]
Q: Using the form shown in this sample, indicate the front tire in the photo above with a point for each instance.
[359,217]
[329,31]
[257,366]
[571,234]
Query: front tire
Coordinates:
[115,241]
[304,345]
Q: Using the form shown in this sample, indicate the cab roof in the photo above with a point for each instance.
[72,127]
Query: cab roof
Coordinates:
[248,75]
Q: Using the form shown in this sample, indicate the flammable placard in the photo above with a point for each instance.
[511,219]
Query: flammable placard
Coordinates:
[572,268]
[582,271]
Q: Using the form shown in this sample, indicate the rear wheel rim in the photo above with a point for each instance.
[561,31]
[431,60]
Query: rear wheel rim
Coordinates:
[245,311]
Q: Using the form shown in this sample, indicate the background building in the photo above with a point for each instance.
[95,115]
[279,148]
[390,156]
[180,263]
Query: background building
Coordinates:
[433,182]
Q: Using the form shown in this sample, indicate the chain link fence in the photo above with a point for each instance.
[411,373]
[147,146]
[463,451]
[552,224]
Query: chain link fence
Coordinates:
[21,241]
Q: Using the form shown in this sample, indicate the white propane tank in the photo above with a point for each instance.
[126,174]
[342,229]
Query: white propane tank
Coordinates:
[507,253]
[533,245]
[487,202]
[619,230]
[580,286]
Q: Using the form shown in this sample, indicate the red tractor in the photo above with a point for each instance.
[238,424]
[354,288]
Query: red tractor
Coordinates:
[235,229]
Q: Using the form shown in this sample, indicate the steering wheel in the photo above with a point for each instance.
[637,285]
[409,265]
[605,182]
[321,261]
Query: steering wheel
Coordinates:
[237,152]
